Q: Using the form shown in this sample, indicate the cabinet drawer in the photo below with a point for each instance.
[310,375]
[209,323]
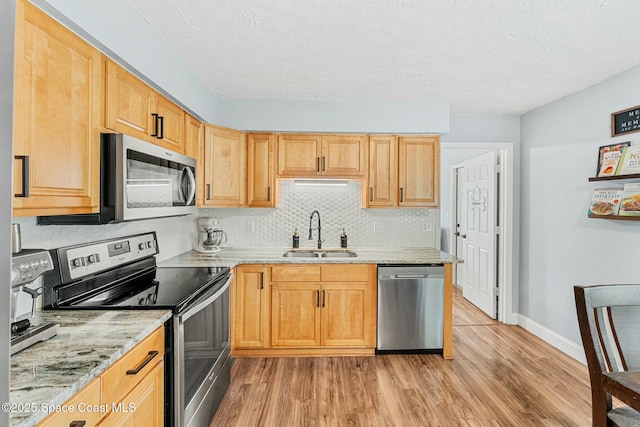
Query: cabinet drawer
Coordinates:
[88,397]
[345,273]
[116,383]
[295,273]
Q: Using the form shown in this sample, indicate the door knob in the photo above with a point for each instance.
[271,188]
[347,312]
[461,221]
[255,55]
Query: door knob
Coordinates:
[464,236]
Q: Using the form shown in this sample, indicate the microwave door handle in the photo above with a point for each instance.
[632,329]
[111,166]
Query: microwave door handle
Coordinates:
[191,186]
[181,184]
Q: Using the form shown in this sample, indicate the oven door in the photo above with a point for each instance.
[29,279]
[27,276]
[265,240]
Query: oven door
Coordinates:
[201,354]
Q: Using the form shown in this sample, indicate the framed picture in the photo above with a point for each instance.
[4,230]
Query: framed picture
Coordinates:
[608,148]
[625,121]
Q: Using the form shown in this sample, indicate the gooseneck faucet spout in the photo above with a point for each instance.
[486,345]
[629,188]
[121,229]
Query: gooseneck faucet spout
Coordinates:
[319,228]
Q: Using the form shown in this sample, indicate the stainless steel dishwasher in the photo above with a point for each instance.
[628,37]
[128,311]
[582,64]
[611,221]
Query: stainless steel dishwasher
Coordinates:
[410,308]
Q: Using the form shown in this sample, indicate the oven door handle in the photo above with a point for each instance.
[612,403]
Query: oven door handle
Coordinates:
[201,304]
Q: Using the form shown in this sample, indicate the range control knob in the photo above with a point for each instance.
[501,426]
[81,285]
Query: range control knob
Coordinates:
[77,262]
[93,258]
[44,262]
[24,266]
[34,264]
[141,246]
[142,301]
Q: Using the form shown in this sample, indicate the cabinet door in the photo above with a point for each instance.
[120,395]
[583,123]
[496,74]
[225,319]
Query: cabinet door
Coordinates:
[346,315]
[419,171]
[295,315]
[260,170]
[144,406]
[56,118]
[193,136]
[383,171]
[250,316]
[171,125]
[225,163]
[89,396]
[299,155]
[344,155]
[129,104]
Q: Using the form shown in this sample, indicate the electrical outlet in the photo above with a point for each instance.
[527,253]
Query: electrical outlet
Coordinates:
[427,226]
[375,227]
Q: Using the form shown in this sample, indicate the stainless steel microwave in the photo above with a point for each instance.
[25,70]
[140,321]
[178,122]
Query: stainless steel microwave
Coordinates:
[138,180]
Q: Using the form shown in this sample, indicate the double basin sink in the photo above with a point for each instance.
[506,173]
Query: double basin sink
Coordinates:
[320,253]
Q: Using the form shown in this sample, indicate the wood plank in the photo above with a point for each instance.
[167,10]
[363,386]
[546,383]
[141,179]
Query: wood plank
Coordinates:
[502,376]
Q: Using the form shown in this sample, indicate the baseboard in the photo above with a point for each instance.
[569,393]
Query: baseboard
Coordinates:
[558,341]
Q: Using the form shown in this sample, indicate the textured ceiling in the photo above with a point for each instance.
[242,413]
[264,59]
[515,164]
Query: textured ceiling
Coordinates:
[484,56]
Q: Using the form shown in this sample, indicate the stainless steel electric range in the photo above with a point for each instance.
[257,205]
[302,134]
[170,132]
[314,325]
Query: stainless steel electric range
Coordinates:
[122,274]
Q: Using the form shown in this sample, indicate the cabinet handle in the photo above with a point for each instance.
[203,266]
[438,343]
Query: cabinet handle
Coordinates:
[318,164]
[161,127]
[323,298]
[208,191]
[269,193]
[25,176]
[78,423]
[261,280]
[401,195]
[323,163]
[371,194]
[145,362]
[155,124]
[317,298]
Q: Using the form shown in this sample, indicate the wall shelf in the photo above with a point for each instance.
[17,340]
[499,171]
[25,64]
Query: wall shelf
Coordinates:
[625,218]
[611,178]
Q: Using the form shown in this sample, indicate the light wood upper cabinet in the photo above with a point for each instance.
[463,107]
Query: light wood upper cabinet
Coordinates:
[193,136]
[250,315]
[261,187]
[56,118]
[383,171]
[344,155]
[133,108]
[419,171]
[404,171]
[225,167]
[170,125]
[299,155]
[309,155]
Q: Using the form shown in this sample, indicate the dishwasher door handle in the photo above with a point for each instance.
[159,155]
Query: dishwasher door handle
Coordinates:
[410,276]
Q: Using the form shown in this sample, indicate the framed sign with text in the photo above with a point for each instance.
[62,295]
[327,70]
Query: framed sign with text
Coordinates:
[625,121]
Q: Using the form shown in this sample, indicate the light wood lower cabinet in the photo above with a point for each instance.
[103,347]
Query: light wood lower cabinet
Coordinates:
[304,309]
[249,307]
[129,393]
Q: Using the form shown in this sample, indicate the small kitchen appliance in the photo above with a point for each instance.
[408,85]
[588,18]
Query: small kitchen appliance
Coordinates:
[121,274]
[27,267]
[209,236]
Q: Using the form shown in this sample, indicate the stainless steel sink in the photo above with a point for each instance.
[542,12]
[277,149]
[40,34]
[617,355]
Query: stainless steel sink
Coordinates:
[319,253]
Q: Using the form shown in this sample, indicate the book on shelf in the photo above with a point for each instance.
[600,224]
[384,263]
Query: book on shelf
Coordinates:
[630,201]
[610,161]
[629,161]
[618,147]
[605,201]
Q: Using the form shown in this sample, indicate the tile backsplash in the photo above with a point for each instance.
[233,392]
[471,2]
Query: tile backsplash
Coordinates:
[339,208]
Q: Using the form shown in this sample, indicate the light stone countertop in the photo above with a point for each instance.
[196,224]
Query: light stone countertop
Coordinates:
[230,257]
[88,342]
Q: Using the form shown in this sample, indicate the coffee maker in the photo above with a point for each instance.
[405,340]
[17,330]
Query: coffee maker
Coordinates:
[209,236]
[27,267]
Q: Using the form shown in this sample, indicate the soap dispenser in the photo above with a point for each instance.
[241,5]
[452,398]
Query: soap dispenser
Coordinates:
[296,239]
[343,239]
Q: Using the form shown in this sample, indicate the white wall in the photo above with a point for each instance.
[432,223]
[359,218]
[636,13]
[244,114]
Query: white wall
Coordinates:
[336,116]
[561,247]
[7,22]
[118,30]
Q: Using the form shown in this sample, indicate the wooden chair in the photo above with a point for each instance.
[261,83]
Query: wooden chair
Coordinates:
[609,320]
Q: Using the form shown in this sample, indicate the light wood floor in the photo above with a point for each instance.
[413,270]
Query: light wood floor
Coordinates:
[500,376]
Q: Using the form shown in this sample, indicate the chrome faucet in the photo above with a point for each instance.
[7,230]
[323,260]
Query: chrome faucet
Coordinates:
[319,228]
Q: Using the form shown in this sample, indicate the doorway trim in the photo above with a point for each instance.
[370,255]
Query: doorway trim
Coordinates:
[508,237]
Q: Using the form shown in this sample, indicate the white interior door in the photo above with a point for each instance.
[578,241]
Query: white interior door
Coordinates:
[459,225]
[478,232]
